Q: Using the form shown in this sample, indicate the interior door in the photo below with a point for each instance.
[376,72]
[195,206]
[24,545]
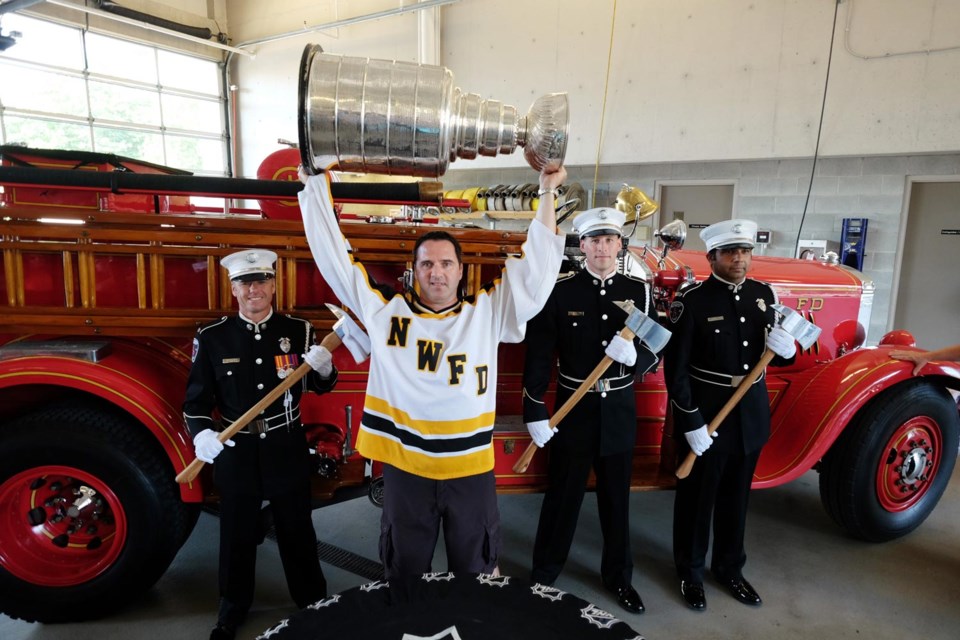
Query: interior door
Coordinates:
[698,206]
[928,294]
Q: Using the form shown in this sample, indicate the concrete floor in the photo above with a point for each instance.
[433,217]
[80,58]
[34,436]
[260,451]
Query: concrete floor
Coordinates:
[815,582]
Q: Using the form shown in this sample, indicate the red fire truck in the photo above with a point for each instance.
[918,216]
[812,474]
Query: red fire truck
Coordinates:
[110,265]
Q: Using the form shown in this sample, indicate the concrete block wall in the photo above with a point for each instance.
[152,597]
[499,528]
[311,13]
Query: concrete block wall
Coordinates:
[775,193]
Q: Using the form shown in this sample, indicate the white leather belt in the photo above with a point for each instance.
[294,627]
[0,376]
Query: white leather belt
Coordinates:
[602,385]
[262,426]
[719,379]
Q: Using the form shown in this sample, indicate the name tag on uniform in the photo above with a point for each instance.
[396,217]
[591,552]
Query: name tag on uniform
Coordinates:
[230,360]
[574,313]
[714,318]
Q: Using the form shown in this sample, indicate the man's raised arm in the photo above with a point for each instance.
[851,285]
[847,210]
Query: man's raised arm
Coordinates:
[550,179]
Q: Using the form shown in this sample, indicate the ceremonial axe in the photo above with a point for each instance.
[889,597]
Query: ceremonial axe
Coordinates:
[353,337]
[801,329]
[638,325]
[345,331]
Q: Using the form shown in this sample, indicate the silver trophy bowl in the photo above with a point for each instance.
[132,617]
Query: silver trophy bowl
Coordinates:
[401,118]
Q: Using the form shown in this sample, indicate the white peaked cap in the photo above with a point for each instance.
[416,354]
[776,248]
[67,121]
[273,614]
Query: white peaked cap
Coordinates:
[730,233]
[250,264]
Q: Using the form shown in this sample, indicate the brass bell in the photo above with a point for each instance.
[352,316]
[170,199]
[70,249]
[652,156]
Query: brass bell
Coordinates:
[635,204]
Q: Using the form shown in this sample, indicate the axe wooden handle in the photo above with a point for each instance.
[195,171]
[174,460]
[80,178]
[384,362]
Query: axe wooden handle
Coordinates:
[524,461]
[684,469]
[190,472]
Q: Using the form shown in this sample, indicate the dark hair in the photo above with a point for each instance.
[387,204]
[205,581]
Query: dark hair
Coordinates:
[438,235]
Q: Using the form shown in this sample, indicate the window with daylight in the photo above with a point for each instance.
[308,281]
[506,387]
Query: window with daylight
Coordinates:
[65,88]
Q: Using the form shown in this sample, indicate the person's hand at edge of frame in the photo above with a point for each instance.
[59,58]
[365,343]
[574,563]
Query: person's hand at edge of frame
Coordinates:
[918,358]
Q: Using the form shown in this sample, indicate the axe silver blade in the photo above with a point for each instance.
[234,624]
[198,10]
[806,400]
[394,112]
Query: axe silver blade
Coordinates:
[338,326]
[802,330]
[650,332]
[808,336]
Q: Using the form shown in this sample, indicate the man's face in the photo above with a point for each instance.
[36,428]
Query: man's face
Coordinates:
[601,252]
[731,263]
[254,298]
[438,273]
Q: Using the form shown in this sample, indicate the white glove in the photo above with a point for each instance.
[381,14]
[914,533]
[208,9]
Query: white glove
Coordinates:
[207,447]
[540,432]
[781,342]
[699,440]
[622,350]
[320,360]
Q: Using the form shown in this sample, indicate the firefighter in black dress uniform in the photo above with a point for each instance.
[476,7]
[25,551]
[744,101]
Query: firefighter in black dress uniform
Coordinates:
[237,360]
[721,328]
[578,326]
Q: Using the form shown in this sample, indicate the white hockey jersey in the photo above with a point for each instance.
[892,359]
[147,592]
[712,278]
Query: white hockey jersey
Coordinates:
[431,396]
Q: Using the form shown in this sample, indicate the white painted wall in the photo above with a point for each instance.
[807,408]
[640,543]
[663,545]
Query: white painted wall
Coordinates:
[689,80]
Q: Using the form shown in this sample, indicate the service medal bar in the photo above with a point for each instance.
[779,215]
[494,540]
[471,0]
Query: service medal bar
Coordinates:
[285,364]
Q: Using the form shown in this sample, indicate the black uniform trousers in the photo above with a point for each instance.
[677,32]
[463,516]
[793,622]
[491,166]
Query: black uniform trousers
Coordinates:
[717,489]
[568,473]
[296,542]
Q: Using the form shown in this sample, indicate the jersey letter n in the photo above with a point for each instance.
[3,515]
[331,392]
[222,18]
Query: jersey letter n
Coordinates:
[398,332]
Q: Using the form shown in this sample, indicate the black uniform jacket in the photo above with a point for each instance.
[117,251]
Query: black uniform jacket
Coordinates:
[576,324]
[719,334]
[235,364]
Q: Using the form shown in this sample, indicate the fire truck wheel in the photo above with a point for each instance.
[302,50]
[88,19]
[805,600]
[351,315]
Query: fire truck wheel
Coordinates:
[887,471]
[90,514]
[375,492]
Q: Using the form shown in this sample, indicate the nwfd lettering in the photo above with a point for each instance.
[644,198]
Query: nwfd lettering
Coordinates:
[428,355]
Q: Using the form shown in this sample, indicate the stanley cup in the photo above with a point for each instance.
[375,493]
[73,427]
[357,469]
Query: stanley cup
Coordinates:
[401,118]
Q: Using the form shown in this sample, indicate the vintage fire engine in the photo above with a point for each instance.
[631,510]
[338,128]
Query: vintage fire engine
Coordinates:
[110,265]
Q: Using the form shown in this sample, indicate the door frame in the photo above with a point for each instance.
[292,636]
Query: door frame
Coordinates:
[659,184]
[902,239]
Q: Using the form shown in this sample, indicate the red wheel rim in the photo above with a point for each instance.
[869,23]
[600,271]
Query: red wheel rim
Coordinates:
[910,464]
[59,526]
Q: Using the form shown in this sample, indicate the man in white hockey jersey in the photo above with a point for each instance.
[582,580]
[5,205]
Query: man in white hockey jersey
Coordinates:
[431,396]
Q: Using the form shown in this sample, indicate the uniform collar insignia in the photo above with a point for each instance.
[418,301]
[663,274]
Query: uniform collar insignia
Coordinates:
[598,277]
[261,325]
[733,286]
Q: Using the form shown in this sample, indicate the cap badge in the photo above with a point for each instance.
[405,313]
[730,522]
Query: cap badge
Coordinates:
[602,215]
[285,345]
[736,228]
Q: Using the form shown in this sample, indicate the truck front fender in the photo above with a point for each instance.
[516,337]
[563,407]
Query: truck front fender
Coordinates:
[820,402]
[133,377]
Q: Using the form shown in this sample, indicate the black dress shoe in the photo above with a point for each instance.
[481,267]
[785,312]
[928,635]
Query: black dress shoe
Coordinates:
[693,595]
[223,632]
[629,599]
[742,591]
